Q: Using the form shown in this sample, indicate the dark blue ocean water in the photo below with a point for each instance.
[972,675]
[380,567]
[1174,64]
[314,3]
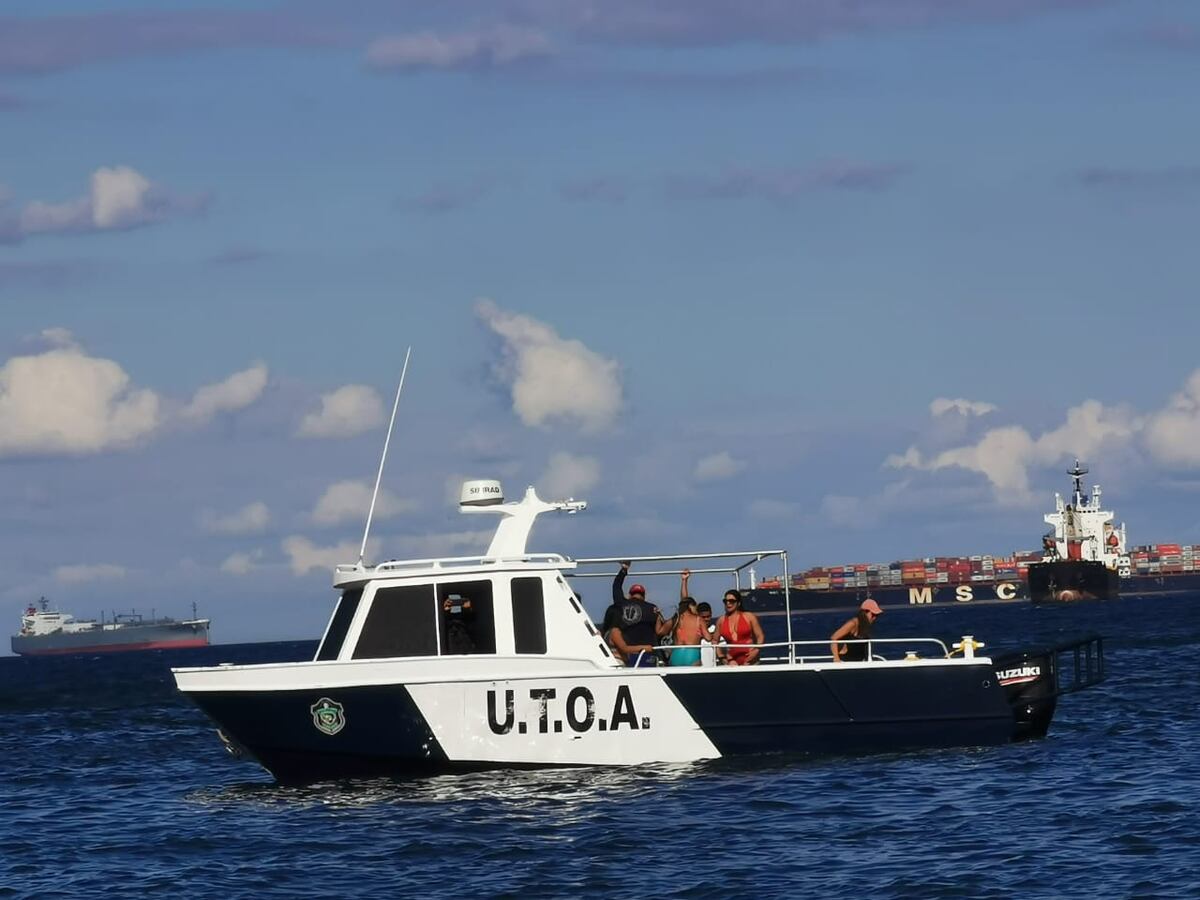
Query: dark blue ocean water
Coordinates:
[112,784]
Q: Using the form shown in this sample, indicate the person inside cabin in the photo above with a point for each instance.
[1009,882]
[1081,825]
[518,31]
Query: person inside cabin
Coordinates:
[740,631]
[459,616]
[632,625]
[856,629]
[687,628]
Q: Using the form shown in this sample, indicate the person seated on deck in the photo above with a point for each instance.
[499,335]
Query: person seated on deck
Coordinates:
[687,628]
[708,643]
[612,615]
[634,626]
[739,628]
[859,629]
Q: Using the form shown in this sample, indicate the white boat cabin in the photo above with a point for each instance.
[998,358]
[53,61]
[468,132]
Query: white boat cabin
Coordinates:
[504,604]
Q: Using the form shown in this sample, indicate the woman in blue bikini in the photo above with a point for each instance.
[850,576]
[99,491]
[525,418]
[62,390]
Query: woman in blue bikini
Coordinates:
[688,630]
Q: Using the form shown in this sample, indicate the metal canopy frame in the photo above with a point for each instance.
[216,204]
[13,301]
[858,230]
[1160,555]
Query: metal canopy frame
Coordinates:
[734,568]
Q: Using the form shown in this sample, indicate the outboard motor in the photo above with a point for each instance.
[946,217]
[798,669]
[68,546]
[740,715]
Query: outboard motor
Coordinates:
[1030,682]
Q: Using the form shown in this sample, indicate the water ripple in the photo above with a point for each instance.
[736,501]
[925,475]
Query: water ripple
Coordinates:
[113,784]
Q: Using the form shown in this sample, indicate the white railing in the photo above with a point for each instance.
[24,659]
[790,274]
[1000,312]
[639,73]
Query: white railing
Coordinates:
[747,557]
[456,562]
[791,656]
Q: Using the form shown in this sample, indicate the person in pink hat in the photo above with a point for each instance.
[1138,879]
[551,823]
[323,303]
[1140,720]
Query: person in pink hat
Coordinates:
[856,629]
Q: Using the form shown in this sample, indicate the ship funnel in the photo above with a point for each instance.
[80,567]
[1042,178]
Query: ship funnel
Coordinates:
[481,492]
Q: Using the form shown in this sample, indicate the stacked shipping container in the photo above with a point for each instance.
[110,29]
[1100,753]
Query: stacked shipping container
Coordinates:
[933,570]
[1148,559]
[1164,559]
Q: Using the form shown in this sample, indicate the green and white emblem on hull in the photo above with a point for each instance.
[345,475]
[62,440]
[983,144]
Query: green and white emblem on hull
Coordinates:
[327,715]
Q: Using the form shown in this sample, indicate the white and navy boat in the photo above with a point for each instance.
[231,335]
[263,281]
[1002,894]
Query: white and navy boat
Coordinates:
[439,665]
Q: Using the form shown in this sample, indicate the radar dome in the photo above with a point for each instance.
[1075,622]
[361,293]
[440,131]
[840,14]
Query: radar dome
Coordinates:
[481,492]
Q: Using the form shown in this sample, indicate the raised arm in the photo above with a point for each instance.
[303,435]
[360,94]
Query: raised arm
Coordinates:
[683,584]
[619,584]
[663,627]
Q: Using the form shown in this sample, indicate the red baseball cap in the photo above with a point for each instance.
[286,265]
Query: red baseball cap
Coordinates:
[871,606]
[637,589]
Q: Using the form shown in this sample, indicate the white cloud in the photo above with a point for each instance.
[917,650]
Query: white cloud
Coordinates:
[568,476]
[236,392]
[717,466]
[1173,434]
[247,520]
[1089,427]
[772,509]
[1005,455]
[346,412]
[553,378]
[59,337]
[304,556]
[422,546]
[66,402]
[348,501]
[943,405]
[241,563]
[497,46]
[119,197]
[849,512]
[39,217]
[909,459]
[80,574]
[900,498]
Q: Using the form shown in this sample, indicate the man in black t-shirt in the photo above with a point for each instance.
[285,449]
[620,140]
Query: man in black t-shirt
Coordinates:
[631,625]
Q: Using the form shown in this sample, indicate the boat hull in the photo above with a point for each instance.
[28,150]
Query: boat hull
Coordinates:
[1072,581]
[1148,585]
[981,593]
[891,596]
[118,640]
[614,717]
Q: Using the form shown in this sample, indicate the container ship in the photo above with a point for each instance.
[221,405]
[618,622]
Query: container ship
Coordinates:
[1080,530]
[46,632]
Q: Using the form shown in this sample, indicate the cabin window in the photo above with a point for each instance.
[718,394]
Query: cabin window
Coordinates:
[468,621]
[401,623]
[529,616]
[331,646]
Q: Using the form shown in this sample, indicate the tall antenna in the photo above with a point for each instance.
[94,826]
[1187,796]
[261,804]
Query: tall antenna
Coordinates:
[362,551]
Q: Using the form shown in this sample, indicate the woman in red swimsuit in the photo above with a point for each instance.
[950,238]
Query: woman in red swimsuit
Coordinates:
[739,628]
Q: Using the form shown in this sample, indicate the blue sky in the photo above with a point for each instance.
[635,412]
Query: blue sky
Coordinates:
[711,265]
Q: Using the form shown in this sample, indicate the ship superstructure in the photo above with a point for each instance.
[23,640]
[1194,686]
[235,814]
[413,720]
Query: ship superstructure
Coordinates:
[1080,529]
